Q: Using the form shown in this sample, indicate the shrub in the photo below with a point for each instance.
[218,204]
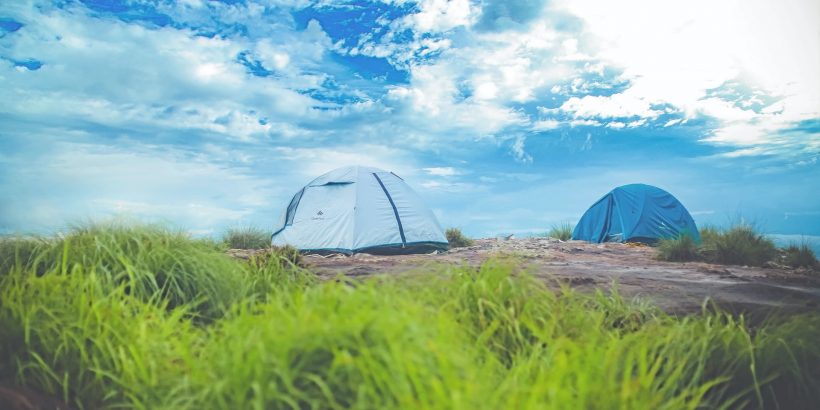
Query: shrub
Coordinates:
[247,237]
[456,239]
[680,249]
[739,245]
[561,231]
[798,256]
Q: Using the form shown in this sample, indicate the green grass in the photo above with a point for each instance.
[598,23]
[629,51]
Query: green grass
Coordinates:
[456,239]
[709,234]
[286,256]
[246,237]
[561,231]
[680,249]
[798,256]
[14,250]
[449,337]
[149,261]
[738,245]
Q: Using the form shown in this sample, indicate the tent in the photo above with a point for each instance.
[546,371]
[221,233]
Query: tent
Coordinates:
[635,213]
[359,209]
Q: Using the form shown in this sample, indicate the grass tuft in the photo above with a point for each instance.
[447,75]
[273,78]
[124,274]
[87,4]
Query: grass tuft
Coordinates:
[680,249]
[709,234]
[152,262]
[283,256]
[561,231]
[456,239]
[276,270]
[798,256]
[739,245]
[19,251]
[246,237]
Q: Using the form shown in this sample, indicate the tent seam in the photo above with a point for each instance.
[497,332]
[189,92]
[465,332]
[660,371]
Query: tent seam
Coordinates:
[395,210]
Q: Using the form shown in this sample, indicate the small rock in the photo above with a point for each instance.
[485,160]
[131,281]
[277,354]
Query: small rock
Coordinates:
[714,270]
[580,280]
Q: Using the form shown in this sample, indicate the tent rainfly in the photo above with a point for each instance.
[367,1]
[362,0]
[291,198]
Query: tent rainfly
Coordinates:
[359,209]
[635,213]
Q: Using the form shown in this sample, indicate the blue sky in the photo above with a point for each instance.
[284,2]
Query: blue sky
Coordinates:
[505,116]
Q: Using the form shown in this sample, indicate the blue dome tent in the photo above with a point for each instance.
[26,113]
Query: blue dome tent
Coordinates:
[359,209]
[635,213]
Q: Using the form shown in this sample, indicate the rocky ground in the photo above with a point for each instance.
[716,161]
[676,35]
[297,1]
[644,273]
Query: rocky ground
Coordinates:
[676,287]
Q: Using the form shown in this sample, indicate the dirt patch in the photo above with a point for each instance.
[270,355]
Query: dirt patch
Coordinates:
[674,286]
[21,398]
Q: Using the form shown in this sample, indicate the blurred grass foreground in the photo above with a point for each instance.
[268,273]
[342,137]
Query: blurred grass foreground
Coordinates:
[111,316]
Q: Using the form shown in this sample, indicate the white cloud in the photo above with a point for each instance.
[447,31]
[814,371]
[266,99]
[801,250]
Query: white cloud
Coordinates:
[441,171]
[545,125]
[687,53]
[431,101]
[617,105]
[588,123]
[448,186]
[518,151]
[164,78]
[485,91]
[741,134]
[203,215]
[442,15]
[475,71]
[72,181]
[723,110]
[674,52]
[470,89]
[636,123]
[312,162]
[745,152]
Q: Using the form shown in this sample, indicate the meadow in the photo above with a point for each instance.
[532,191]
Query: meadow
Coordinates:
[143,317]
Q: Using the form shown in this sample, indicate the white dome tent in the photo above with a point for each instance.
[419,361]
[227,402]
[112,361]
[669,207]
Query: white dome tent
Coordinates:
[359,209]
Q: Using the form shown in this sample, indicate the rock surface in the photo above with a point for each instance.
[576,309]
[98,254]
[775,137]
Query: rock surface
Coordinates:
[674,286]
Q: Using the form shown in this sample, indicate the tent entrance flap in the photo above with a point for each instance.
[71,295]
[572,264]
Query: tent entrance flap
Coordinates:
[294,203]
[291,211]
[395,210]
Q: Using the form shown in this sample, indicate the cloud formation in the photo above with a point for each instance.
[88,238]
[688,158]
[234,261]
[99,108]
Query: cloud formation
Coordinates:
[257,97]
